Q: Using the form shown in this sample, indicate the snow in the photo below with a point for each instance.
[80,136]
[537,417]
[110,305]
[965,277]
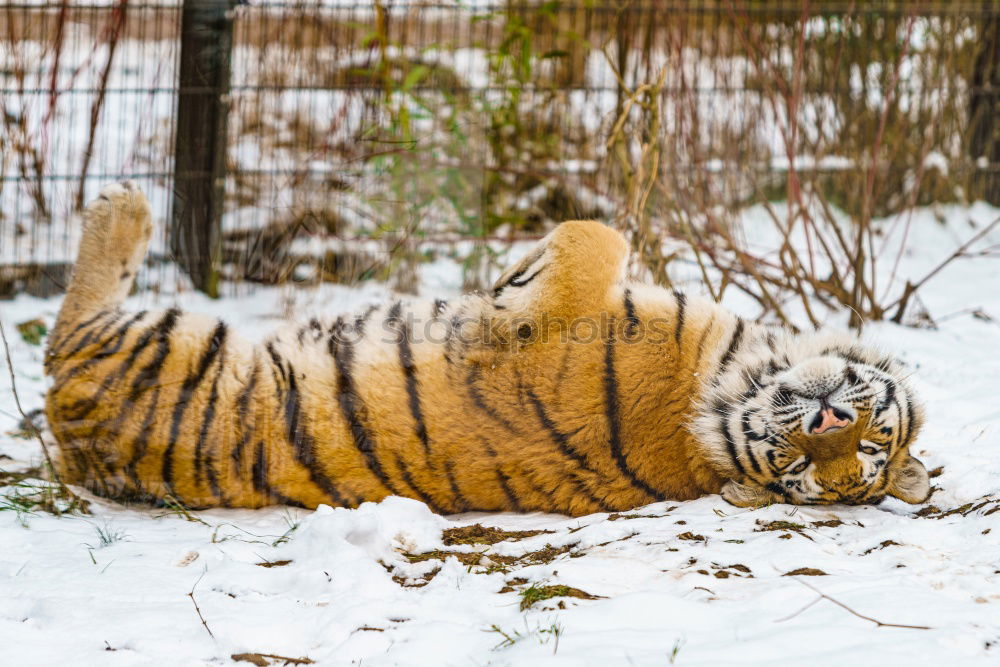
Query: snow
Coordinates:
[673,578]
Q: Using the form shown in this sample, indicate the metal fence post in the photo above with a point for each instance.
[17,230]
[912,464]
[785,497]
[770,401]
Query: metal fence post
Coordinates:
[984,107]
[200,142]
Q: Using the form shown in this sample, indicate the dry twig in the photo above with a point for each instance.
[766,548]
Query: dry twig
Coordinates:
[902,301]
[824,596]
[195,603]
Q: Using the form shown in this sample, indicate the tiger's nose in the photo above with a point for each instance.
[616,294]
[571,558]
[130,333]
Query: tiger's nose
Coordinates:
[829,418]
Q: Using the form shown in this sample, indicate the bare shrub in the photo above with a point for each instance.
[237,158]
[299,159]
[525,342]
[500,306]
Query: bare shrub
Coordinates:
[859,110]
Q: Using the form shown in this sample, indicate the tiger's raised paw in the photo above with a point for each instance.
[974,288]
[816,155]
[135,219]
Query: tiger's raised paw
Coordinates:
[121,215]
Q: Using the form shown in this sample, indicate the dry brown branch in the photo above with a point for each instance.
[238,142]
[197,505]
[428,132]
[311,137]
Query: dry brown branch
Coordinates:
[824,596]
[265,659]
[901,302]
[195,603]
[113,37]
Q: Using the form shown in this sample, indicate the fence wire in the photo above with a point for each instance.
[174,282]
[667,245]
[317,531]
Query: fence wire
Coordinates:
[361,134]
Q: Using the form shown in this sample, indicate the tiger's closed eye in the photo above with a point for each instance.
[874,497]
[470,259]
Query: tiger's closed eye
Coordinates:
[867,449]
[800,467]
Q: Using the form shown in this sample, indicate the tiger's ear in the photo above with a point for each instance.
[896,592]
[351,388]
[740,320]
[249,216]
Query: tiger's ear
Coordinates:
[742,495]
[568,273]
[910,482]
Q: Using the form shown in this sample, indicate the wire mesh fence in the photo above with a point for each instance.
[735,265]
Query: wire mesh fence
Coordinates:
[359,138]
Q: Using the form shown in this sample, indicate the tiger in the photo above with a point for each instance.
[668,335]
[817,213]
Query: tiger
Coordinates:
[567,388]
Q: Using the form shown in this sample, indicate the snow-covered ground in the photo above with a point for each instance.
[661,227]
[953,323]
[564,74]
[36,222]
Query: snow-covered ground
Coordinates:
[682,583]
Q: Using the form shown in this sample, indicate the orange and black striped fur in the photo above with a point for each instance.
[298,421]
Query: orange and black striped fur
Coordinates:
[567,389]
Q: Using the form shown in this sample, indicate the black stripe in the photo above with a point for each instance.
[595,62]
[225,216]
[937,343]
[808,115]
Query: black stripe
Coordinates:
[339,331]
[777,489]
[119,335]
[748,430]
[533,487]
[148,378]
[453,325]
[351,407]
[277,366]
[562,443]
[879,488]
[579,485]
[303,442]
[887,398]
[630,316]
[899,414]
[504,481]
[909,422]
[439,306]
[846,355]
[410,377]
[515,281]
[93,334]
[279,363]
[212,348]
[392,316]
[55,346]
[701,342]
[258,471]
[93,470]
[563,365]
[752,436]
[681,305]
[614,421]
[730,444]
[158,332]
[734,343]
[141,444]
[204,464]
[471,378]
[561,439]
[242,410]
[84,406]
[258,477]
[418,493]
[772,465]
[119,339]
[753,459]
[361,321]
[460,503]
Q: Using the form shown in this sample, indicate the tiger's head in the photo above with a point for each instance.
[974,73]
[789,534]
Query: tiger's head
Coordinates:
[814,419]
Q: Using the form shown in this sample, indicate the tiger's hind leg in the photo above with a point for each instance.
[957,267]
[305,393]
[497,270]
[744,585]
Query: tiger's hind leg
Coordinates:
[116,231]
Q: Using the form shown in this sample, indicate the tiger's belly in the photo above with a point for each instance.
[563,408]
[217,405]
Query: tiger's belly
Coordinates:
[292,424]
